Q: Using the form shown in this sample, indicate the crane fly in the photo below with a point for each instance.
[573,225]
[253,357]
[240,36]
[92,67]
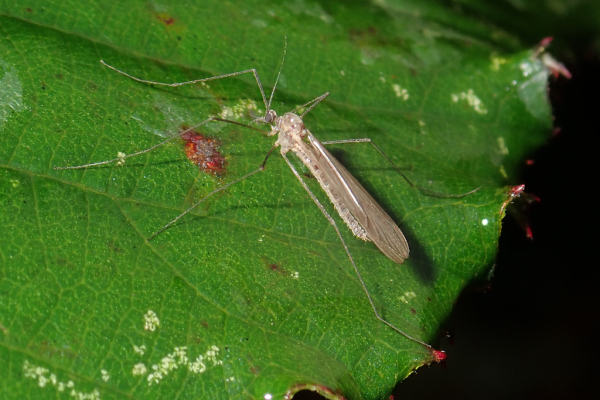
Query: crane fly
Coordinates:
[365,218]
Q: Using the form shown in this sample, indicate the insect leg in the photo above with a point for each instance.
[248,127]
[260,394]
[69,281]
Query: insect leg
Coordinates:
[259,169]
[362,282]
[122,157]
[212,78]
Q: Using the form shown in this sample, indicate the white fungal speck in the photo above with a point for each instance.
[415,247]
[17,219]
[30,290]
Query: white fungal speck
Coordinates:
[268,396]
[400,92]
[121,156]
[471,99]
[407,296]
[139,369]
[179,358]
[105,375]
[140,350]
[484,222]
[239,110]
[46,379]
[151,321]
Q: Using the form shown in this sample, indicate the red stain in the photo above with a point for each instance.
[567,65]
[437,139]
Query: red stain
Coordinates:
[203,151]
[167,20]
[277,268]
[412,310]
[529,162]
[438,356]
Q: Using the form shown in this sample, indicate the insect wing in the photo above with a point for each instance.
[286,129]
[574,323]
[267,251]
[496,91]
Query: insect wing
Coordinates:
[382,230]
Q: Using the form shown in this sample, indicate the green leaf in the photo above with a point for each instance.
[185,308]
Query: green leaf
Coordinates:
[253,287]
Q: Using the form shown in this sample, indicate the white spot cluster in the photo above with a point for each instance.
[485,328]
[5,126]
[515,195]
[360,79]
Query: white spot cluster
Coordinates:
[140,350]
[44,377]
[471,99]
[238,110]
[400,92]
[179,358]
[295,274]
[105,375]
[139,369]
[151,321]
[121,156]
[407,296]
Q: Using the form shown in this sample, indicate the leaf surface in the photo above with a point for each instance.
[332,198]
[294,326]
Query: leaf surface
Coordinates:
[252,290]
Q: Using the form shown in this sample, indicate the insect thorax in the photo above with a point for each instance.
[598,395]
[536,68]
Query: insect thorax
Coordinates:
[291,130]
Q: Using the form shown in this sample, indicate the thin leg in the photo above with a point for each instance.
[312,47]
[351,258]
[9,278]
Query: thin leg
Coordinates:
[362,282]
[426,191]
[259,169]
[122,157]
[212,78]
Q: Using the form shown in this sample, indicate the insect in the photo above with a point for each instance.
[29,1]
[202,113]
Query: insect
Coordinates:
[365,218]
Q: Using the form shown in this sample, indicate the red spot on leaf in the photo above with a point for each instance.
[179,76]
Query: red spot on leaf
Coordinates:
[167,20]
[529,162]
[203,151]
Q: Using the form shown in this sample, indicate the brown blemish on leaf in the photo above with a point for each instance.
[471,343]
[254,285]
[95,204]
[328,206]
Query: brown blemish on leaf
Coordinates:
[204,152]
